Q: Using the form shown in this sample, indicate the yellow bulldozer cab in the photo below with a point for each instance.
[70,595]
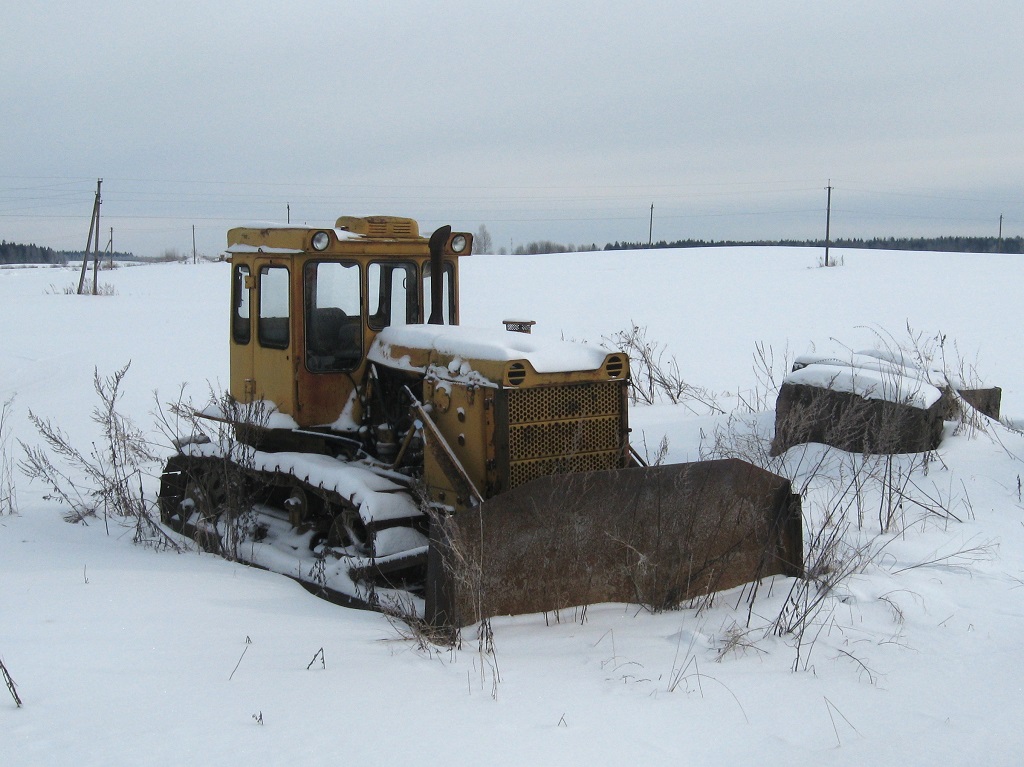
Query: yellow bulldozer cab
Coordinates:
[308,302]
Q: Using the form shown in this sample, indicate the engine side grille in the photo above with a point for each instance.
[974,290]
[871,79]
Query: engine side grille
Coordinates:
[549,403]
[562,438]
[564,429]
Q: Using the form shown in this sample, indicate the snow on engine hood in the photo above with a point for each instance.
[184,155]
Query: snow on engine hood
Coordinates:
[392,347]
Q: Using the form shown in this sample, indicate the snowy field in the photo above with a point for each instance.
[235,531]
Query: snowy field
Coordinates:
[125,655]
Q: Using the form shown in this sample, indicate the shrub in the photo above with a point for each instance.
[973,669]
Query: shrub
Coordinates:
[107,480]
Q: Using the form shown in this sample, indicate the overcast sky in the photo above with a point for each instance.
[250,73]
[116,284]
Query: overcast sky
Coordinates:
[542,120]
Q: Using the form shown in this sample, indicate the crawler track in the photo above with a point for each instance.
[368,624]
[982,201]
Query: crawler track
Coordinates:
[350,531]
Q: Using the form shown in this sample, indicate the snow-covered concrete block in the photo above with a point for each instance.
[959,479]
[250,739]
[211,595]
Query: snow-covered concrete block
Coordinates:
[858,409]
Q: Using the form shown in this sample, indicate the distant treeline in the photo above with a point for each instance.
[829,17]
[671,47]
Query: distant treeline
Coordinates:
[547,246]
[14,253]
[942,244]
[117,255]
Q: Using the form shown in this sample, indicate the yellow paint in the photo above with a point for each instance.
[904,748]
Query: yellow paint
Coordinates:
[281,373]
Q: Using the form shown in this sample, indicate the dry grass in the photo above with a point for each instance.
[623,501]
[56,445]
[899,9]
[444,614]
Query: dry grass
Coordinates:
[8,495]
[855,504]
[106,480]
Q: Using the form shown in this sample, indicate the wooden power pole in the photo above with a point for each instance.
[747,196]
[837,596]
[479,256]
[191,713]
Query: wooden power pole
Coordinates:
[828,219]
[10,683]
[94,228]
[650,231]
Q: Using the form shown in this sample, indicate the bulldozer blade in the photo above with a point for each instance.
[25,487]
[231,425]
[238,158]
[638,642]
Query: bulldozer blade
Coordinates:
[655,536]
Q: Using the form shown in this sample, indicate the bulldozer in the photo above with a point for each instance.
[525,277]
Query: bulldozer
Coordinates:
[386,456]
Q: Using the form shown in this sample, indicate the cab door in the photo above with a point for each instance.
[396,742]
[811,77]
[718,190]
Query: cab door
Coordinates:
[333,345]
[273,373]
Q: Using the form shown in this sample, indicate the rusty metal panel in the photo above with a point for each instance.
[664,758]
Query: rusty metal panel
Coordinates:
[652,535]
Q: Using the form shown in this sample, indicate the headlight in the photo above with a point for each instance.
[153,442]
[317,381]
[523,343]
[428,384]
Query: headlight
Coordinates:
[458,243]
[321,240]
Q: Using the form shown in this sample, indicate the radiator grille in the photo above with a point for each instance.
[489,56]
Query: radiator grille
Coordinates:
[564,429]
[524,471]
[562,437]
[549,403]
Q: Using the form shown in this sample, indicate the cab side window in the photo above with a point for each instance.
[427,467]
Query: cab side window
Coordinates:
[241,321]
[393,294]
[274,307]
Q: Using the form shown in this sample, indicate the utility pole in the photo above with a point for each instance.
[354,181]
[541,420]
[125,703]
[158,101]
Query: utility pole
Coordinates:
[94,228]
[289,206]
[193,244]
[96,243]
[96,254]
[650,231]
[10,683]
[828,220]
[88,242]
[999,247]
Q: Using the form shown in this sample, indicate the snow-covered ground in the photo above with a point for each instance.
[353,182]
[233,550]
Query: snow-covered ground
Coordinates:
[125,655]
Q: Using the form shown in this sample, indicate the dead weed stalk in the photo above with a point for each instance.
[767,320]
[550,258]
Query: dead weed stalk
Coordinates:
[106,481]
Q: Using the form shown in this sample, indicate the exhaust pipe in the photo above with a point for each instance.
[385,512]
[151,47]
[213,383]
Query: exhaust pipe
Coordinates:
[437,242]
